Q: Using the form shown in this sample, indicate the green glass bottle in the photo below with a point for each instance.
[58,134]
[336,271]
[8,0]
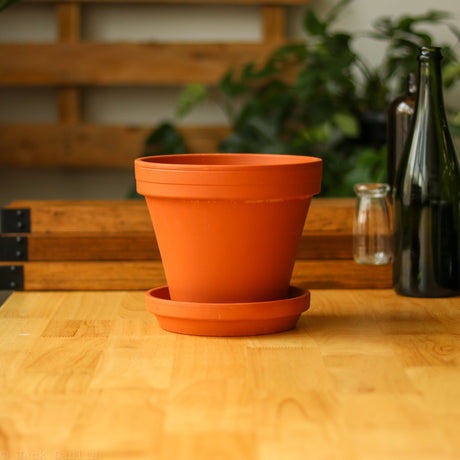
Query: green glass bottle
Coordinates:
[426,195]
[399,115]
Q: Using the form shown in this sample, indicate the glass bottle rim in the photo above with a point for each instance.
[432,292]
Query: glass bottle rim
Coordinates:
[372,190]
[427,53]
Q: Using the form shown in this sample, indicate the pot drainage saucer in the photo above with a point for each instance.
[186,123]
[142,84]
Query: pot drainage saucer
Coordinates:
[227,319]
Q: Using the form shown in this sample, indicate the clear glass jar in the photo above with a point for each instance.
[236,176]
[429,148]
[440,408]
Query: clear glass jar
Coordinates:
[372,235]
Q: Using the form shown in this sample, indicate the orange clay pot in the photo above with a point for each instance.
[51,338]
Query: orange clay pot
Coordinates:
[228,225]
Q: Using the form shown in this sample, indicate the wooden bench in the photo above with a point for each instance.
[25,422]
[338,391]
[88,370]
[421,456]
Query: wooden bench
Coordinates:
[48,245]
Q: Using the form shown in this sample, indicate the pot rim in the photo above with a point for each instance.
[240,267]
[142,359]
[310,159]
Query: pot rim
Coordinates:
[223,161]
[229,176]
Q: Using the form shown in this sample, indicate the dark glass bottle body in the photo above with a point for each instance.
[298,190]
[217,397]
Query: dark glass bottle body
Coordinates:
[426,195]
[400,113]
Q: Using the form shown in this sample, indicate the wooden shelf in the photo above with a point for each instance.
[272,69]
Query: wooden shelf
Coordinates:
[72,63]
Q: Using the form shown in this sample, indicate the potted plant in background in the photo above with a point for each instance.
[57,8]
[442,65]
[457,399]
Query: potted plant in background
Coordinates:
[328,106]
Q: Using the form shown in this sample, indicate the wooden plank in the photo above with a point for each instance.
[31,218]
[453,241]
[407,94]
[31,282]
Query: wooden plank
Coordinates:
[107,216]
[127,275]
[90,146]
[68,216]
[43,247]
[87,246]
[273,23]
[92,275]
[331,215]
[341,274]
[124,63]
[69,22]
[69,25]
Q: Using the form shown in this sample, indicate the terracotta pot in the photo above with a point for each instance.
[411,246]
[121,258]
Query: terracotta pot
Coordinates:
[228,225]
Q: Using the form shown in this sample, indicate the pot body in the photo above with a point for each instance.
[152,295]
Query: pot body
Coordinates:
[228,225]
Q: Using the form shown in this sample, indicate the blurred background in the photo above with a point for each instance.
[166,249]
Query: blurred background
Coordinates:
[40,115]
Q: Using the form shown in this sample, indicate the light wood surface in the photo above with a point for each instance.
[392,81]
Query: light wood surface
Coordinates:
[366,375]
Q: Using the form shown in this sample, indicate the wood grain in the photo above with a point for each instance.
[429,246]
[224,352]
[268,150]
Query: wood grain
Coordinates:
[91,146]
[141,274]
[71,64]
[69,25]
[88,63]
[143,246]
[365,375]
[326,215]
[273,23]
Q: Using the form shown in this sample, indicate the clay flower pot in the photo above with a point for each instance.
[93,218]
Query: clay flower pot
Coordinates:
[228,225]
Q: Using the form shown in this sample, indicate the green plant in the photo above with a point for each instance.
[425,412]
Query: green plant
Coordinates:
[318,112]
[403,38]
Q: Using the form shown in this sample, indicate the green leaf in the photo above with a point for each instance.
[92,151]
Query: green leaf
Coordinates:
[313,25]
[231,87]
[317,133]
[450,73]
[369,166]
[290,53]
[189,98]
[347,124]
[164,140]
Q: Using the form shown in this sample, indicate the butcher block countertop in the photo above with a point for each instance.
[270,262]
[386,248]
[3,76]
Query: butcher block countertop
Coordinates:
[365,375]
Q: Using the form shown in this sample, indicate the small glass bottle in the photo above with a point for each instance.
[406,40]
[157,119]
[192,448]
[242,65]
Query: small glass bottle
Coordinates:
[400,114]
[426,196]
[371,227]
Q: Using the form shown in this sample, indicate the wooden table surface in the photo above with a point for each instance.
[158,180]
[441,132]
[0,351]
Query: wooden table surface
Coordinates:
[365,375]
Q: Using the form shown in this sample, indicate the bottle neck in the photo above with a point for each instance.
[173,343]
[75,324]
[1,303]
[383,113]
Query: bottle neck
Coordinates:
[430,91]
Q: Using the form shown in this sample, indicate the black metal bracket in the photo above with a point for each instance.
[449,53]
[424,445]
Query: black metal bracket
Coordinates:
[13,248]
[15,220]
[12,277]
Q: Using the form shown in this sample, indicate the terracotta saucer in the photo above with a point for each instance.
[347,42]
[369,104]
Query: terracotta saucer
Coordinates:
[227,319]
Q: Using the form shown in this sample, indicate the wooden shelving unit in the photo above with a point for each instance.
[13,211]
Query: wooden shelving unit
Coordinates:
[73,63]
